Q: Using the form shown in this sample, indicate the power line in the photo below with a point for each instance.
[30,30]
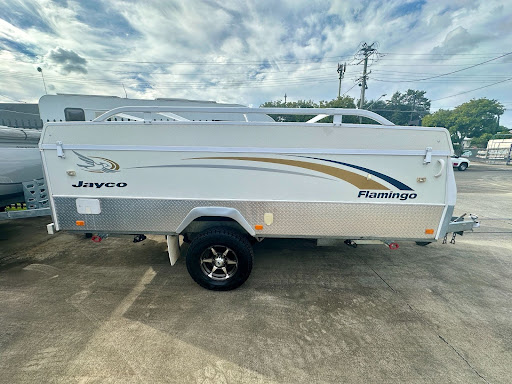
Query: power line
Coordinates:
[465,81]
[471,90]
[459,70]
[442,54]
[265,62]
[283,81]
[425,73]
[348,90]
[255,62]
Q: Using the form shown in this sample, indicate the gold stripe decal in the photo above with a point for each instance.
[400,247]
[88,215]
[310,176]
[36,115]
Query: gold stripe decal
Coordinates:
[355,179]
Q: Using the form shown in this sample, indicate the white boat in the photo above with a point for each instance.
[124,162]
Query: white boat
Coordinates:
[20,160]
[221,184]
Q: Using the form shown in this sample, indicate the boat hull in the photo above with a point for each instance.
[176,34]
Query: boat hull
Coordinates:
[16,166]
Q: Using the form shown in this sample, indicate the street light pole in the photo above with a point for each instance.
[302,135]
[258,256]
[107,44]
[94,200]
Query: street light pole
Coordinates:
[39,69]
[373,102]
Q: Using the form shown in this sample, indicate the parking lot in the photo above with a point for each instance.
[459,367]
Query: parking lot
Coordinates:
[76,311]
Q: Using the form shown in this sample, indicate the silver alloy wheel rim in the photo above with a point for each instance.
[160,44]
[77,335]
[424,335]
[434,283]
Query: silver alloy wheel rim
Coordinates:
[219,262]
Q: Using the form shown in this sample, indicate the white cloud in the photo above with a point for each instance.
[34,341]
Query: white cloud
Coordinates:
[251,52]
[459,41]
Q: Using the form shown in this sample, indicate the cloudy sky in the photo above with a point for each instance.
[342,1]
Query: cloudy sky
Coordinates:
[250,52]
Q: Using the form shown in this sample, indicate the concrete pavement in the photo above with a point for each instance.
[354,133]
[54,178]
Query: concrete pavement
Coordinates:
[76,311]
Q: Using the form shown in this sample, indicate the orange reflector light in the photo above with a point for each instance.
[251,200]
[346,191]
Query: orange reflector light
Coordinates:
[80,223]
[429,231]
[258,227]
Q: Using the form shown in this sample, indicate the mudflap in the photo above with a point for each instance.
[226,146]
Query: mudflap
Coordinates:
[173,247]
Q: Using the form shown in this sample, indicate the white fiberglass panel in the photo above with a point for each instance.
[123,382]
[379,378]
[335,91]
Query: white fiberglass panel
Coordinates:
[246,176]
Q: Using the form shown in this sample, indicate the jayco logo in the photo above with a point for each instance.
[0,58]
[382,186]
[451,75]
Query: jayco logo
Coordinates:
[82,184]
[97,164]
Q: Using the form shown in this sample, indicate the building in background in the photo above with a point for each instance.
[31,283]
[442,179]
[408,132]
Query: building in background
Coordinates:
[20,115]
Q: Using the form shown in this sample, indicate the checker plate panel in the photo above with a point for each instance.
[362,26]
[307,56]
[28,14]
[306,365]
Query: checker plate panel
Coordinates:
[291,219]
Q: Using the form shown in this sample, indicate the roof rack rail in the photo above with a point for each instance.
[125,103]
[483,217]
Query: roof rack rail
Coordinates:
[320,113]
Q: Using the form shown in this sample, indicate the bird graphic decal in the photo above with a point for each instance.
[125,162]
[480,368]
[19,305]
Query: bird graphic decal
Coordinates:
[97,164]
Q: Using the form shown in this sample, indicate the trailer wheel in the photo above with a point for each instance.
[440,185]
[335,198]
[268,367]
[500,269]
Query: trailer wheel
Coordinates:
[220,259]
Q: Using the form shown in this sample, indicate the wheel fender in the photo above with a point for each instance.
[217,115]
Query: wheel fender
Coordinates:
[231,213]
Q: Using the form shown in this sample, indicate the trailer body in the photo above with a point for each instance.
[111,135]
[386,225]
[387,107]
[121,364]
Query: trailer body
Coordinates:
[262,178]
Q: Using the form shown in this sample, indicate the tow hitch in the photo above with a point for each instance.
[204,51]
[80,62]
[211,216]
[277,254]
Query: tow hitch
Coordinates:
[458,225]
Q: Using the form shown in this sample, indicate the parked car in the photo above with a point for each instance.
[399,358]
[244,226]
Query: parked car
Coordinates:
[461,163]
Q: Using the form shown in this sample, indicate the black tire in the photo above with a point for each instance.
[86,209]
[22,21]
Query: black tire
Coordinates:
[423,243]
[220,259]
[463,166]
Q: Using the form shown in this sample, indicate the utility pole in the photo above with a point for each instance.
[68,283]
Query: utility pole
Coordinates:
[341,70]
[285,99]
[366,51]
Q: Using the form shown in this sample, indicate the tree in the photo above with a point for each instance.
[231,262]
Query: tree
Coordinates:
[441,118]
[471,119]
[403,108]
[290,104]
[340,102]
[481,142]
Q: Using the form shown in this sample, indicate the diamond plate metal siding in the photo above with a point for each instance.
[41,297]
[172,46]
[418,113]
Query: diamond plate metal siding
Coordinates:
[290,218]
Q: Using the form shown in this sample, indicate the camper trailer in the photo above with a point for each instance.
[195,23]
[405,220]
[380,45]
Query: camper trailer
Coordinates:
[223,184]
[76,107]
[21,174]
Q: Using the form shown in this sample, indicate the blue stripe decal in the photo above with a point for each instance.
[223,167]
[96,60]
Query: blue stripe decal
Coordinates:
[390,180]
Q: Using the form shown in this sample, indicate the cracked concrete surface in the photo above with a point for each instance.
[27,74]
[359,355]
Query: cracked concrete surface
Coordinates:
[76,311]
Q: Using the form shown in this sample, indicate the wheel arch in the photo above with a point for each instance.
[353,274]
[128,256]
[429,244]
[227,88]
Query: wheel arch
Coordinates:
[221,213]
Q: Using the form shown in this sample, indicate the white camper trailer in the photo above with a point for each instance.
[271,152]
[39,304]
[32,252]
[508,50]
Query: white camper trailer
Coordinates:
[221,184]
[21,174]
[74,107]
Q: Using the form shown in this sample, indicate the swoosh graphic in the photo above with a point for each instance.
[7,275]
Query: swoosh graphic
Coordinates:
[260,169]
[382,176]
[356,180]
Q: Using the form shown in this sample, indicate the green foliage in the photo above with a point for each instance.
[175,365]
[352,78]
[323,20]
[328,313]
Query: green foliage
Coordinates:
[403,108]
[441,118]
[341,102]
[291,104]
[477,118]
[481,142]
[471,119]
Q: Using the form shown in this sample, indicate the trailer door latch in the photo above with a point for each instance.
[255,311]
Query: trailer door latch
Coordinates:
[428,155]
[60,150]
